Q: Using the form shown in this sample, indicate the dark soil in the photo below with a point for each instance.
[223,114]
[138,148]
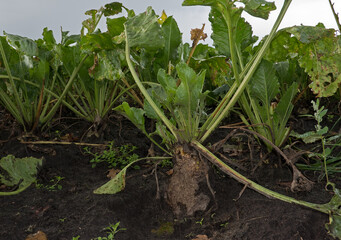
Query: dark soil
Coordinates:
[76,211]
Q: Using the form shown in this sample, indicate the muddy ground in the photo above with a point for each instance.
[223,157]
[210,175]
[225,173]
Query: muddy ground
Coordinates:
[75,211]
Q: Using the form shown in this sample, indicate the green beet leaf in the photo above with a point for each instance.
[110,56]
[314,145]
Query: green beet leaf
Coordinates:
[135,115]
[41,71]
[173,39]
[259,8]
[109,66]
[308,34]
[282,114]
[190,90]
[23,44]
[19,171]
[278,50]
[67,39]
[264,86]
[168,83]
[220,34]
[49,39]
[113,8]
[159,96]
[199,2]
[96,42]
[116,26]
[256,8]
[144,31]
[244,36]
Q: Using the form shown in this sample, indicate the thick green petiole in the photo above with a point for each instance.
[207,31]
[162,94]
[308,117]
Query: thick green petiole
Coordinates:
[143,90]
[215,121]
[325,208]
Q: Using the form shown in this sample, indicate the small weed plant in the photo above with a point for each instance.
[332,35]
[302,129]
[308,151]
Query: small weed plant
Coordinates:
[115,157]
[327,160]
[111,230]
[53,186]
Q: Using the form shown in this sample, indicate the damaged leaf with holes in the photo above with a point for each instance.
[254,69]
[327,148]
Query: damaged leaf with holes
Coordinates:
[318,51]
[320,56]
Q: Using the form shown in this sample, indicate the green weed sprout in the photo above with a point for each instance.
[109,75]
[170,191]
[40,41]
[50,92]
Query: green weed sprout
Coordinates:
[114,157]
[54,186]
[330,162]
[112,230]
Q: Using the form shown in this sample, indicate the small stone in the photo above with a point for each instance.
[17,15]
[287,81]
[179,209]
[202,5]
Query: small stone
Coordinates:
[37,236]
[201,237]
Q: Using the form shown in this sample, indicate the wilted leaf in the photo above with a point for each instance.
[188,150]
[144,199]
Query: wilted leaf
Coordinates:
[165,229]
[116,184]
[19,171]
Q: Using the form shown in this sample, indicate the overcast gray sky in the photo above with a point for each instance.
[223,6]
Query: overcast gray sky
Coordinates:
[29,17]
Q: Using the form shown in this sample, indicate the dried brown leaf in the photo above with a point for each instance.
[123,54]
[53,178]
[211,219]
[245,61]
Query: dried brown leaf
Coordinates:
[112,173]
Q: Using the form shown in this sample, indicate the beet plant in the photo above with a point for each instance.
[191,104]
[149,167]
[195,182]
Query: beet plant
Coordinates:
[29,70]
[84,72]
[175,99]
[102,80]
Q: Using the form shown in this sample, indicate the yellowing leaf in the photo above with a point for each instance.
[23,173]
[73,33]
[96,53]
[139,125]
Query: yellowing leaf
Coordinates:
[117,183]
[163,18]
